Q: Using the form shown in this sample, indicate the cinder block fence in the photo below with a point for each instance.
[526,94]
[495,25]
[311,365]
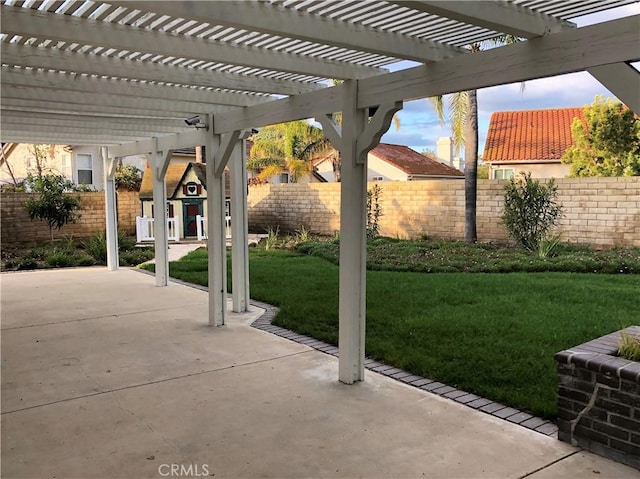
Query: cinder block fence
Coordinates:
[17,227]
[603,212]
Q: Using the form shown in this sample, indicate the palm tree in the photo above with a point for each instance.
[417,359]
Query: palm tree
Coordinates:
[286,146]
[463,118]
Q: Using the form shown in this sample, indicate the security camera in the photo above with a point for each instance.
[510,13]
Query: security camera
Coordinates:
[193,121]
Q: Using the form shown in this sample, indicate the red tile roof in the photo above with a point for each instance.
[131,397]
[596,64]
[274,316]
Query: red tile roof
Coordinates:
[531,135]
[411,162]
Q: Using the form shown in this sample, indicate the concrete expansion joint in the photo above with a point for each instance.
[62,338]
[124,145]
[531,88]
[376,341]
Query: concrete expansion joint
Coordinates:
[487,406]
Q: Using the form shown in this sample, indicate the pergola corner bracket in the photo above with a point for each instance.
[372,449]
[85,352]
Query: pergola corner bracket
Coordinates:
[331,130]
[227,144]
[377,126]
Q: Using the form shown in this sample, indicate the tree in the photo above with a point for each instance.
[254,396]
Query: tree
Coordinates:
[288,146]
[128,177]
[54,204]
[607,143]
[42,155]
[463,119]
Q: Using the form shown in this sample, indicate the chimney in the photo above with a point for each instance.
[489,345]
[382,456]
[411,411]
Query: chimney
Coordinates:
[444,149]
[199,154]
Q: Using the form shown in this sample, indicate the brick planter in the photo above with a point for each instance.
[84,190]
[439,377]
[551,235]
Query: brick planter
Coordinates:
[599,399]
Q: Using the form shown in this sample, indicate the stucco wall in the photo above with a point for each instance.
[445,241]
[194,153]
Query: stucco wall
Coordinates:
[599,211]
[17,227]
[537,170]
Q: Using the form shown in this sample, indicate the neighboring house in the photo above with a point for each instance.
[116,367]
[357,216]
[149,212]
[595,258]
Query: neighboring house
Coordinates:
[444,150]
[186,193]
[80,164]
[530,141]
[387,162]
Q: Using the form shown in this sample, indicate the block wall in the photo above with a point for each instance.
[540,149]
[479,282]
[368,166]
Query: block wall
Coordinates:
[17,227]
[603,212]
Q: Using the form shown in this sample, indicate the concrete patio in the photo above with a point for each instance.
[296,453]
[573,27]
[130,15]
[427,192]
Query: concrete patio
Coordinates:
[106,375]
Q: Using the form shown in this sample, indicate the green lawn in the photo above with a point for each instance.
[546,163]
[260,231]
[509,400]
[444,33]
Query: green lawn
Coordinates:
[491,334]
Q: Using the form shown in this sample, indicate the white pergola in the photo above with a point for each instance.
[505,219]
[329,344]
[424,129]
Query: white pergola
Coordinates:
[124,75]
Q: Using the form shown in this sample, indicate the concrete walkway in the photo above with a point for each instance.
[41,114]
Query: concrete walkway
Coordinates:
[105,375]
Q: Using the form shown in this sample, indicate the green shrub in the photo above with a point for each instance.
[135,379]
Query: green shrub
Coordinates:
[374,212]
[85,260]
[27,263]
[125,242]
[531,210]
[96,246]
[629,347]
[271,241]
[136,256]
[53,203]
[59,259]
[128,177]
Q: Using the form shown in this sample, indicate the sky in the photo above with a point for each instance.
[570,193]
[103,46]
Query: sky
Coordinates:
[420,127]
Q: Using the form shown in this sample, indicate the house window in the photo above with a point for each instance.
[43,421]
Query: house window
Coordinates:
[84,165]
[503,173]
[377,178]
[281,178]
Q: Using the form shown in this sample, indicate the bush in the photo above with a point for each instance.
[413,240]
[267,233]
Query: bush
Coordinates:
[531,210]
[54,204]
[374,211]
[59,259]
[136,256]
[128,177]
[96,246]
[85,260]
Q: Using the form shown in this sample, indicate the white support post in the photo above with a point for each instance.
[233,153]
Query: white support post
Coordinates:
[159,163]
[239,229]
[111,213]
[353,246]
[358,137]
[216,243]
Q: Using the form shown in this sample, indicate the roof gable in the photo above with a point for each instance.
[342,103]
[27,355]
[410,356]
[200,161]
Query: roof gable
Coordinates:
[176,172]
[531,135]
[411,162]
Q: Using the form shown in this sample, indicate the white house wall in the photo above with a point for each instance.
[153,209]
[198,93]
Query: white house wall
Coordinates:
[376,168]
[96,165]
[22,162]
[380,168]
[537,170]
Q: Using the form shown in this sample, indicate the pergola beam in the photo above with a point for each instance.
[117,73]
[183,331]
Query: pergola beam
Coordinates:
[67,28]
[91,120]
[622,80]
[500,16]
[57,81]
[19,136]
[63,127]
[49,58]
[132,105]
[570,51]
[55,107]
[146,146]
[287,22]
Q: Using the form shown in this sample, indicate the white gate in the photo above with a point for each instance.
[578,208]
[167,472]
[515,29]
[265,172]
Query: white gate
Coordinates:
[144,229]
[201,227]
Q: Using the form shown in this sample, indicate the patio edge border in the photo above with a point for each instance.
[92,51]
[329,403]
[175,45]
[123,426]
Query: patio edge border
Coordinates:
[487,406]
[495,409]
